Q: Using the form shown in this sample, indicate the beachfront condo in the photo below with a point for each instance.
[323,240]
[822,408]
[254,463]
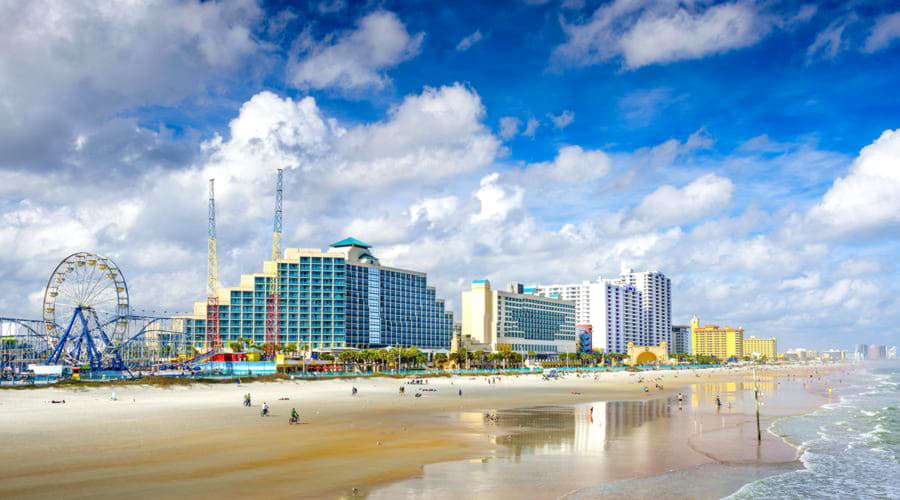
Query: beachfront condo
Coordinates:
[760,348]
[712,340]
[635,307]
[334,299]
[513,320]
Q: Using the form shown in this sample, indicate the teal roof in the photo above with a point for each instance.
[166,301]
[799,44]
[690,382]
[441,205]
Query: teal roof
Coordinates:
[350,242]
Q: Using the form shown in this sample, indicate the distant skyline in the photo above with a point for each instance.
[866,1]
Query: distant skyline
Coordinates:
[748,150]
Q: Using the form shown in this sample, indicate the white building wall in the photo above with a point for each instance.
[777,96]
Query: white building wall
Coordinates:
[613,310]
[656,290]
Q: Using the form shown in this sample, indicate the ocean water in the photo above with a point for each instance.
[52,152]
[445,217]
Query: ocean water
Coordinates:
[849,449]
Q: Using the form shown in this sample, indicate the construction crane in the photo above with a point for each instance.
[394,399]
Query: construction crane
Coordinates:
[272,297]
[213,340]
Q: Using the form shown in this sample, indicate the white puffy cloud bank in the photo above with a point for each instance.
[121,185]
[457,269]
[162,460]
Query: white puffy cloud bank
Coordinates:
[428,183]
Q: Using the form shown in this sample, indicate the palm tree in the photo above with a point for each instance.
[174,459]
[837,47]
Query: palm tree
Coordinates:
[347,357]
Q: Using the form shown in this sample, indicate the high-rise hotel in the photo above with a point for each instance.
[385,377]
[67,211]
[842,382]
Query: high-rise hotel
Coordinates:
[338,298]
[636,307]
[517,321]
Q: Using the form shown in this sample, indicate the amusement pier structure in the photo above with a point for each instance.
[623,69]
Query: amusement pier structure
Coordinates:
[88,324]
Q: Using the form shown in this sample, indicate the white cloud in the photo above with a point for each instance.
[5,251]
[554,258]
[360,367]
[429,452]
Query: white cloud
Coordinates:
[641,106]
[467,42]
[357,59]
[803,282]
[67,67]
[509,127]
[563,119]
[332,6]
[645,33]
[436,134]
[830,41]
[497,201]
[885,32]
[531,127]
[433,210]
[572,165]
[670,205]
[867,199]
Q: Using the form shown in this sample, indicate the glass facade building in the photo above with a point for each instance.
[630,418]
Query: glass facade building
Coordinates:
[330,300]
[393,307]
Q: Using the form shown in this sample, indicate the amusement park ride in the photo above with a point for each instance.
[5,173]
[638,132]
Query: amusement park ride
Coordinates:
[88,323]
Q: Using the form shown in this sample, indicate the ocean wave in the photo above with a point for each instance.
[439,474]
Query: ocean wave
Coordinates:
[847,447]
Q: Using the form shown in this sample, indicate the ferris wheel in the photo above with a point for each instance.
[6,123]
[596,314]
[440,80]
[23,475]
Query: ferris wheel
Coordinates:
[85,308]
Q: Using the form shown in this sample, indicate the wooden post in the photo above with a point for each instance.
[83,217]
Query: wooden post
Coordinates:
[756,396]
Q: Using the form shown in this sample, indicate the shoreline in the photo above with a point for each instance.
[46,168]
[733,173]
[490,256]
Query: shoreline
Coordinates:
[367,442]
[777,453]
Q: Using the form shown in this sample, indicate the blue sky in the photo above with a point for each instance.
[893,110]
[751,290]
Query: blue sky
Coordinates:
[749,150]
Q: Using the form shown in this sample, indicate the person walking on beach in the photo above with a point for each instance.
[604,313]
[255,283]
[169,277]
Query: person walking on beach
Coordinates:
[680,400]
[354,391]
[718,403]
[460,393]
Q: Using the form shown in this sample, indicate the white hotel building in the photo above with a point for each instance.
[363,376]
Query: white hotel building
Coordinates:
[656,291]
[635,307]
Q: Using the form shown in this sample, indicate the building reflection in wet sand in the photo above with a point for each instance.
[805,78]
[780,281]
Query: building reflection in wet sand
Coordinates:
[566,430]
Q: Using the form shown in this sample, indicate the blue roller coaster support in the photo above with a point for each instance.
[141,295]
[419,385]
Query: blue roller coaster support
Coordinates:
[86,340]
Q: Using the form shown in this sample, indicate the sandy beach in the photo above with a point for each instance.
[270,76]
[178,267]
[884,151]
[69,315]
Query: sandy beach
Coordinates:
[199,440]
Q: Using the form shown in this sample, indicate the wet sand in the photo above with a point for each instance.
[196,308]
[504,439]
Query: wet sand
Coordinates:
[200,441]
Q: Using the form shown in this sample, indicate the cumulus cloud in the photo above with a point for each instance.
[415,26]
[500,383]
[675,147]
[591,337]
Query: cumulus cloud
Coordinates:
[645,33]
[496,200]
[433,210]
[563,119]
[572,165]
[885,32]
[470,40]
[867,200]
[433,135]
[67,67]
[357,59]
[669,205]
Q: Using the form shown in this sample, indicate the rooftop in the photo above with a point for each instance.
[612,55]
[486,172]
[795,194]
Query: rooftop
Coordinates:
[350,242]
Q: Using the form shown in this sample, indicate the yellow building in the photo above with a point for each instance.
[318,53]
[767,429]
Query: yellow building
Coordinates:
[713,340]
[760,348]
